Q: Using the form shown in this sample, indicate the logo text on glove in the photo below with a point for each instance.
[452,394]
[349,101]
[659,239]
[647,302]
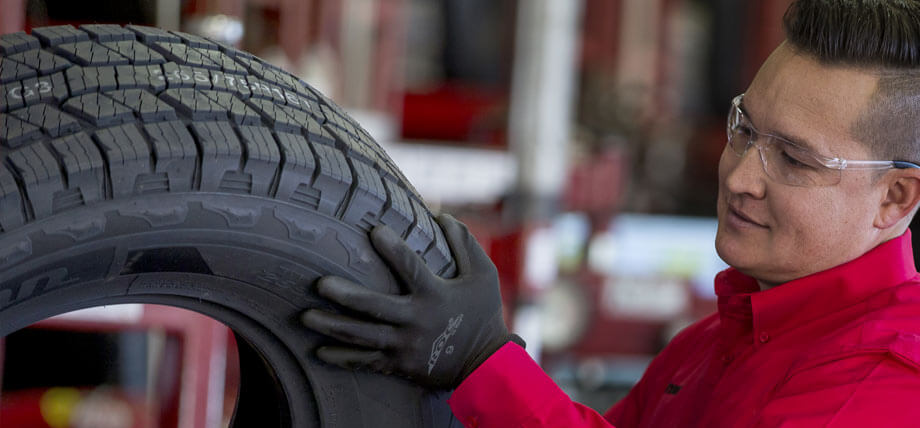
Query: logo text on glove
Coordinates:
[438,345]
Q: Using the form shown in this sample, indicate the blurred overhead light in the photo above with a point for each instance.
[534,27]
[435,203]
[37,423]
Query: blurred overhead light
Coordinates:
[222,28]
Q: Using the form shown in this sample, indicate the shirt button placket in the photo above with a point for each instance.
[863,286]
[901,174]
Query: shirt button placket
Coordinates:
[764,337]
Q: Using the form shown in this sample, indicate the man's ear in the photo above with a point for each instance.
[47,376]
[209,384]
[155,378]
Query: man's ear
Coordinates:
[901,199]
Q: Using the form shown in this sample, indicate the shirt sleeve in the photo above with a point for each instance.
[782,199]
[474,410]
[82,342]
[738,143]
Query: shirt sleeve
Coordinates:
[885,394]
[627,411]
[510,390]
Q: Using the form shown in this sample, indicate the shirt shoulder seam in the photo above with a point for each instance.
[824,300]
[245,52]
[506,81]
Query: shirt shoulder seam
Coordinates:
[853,393]
[856,389]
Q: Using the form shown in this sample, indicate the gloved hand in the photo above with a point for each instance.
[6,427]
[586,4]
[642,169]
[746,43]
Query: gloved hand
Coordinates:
[435,335]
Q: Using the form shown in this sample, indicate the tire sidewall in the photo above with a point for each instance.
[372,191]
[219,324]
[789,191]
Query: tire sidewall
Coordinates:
[262,265]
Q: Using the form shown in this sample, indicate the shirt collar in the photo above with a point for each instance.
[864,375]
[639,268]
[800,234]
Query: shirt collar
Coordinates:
[811,297]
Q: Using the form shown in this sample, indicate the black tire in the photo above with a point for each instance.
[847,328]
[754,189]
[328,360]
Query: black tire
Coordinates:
[146,166]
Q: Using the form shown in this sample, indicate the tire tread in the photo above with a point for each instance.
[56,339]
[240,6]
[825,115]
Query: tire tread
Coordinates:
[109,112]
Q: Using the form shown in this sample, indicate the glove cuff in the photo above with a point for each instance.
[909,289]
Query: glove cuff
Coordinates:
[517,339]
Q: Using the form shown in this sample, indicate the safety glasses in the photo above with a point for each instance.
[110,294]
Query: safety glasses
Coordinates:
[789,163]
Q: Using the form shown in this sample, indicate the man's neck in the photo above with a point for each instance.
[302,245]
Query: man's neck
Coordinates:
[880,239]
[764,285]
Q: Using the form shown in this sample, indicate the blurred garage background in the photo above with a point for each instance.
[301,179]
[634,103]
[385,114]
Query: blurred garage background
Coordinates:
[579,140]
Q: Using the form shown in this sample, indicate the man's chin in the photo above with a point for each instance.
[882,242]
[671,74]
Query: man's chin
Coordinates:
[735,253]
[745,262]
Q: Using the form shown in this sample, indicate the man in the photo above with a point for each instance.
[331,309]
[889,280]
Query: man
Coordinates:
[819,314]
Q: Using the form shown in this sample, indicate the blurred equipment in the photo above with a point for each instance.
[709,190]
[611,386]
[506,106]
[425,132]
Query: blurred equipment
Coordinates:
[120,366]
[566,309]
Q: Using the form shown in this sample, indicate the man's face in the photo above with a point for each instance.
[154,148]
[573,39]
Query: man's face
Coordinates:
[776,232]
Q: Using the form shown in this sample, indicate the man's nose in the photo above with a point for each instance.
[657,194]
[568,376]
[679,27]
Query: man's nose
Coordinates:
[747,175]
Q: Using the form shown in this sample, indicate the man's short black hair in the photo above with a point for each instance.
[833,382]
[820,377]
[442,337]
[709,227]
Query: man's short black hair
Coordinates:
[882,36]
[871,33]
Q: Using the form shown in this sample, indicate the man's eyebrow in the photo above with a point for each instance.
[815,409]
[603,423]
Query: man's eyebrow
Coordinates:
[800,142]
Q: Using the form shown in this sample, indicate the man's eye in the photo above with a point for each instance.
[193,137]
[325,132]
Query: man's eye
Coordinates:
[792,161]
[745,130]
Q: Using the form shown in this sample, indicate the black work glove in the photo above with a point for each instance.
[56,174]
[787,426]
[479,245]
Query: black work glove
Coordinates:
[435,335]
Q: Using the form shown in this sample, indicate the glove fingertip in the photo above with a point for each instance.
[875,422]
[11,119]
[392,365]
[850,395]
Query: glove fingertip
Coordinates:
[388,243]
[329,356]
[450,225]
[311,318]
[445,218]
[334,288]
[384,234]
[464,247]
[333,355]
[324,284]
[325,353]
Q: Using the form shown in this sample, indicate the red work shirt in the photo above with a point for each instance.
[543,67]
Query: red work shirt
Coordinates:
[839,348]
